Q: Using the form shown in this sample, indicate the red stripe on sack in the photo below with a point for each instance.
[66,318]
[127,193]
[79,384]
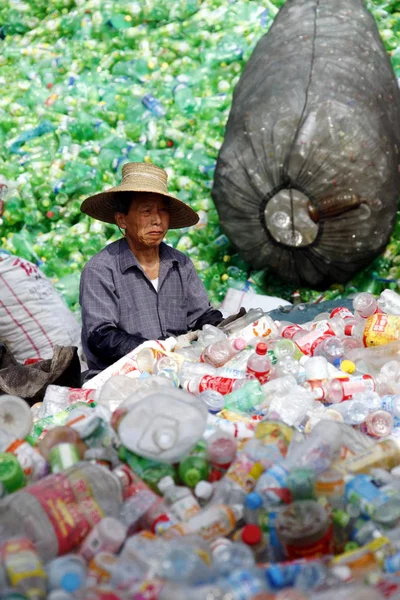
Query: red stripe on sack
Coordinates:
[27,311]
[21,327]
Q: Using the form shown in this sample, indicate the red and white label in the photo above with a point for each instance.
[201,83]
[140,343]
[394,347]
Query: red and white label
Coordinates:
[289,331]
[262,377]
[343,312]
[80,395]
[223,385]
[70,507]
[308,342]
[353,385]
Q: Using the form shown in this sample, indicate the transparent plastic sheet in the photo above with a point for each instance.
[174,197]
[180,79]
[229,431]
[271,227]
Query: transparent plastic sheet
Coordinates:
[308,178]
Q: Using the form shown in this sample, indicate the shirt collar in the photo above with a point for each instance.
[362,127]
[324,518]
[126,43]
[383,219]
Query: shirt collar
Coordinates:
[127,259]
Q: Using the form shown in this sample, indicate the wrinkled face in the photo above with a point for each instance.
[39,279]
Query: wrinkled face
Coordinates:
[146,222]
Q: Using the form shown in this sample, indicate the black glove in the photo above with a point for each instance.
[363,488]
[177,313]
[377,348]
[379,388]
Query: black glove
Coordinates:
[232,318]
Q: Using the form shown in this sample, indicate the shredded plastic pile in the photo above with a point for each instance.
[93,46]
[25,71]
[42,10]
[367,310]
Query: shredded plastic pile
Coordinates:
[87,86]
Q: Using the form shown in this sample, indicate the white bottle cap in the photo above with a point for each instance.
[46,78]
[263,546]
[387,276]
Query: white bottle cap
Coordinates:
[204,490]
[165,483]
[316,368]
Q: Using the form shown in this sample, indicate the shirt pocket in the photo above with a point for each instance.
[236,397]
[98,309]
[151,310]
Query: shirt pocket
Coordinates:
[175,311]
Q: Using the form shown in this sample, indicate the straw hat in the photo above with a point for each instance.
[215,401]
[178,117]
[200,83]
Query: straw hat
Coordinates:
[139,177]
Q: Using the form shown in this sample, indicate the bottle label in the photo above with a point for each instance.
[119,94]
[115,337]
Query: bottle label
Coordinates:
[308,342]
[381,329]
[21,561]
[321,547]
[185,508]
[239,472]
[224,385]
[80,395]
[33,463]
[343,312]
[289,331]
[364,494]
[262,377]
[353,385]
[69,504]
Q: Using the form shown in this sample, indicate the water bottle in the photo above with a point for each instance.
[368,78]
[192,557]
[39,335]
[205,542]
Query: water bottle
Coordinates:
[247,398]
[253,508]
[221,448]
[179,499]
[187,560]
[259,365]
[106,536]
[229,556]
[195,466]
[223,385]
[219,353]
[344,388]
[23,567]
[389,302]
[33,510]
[213,521]
[365,305]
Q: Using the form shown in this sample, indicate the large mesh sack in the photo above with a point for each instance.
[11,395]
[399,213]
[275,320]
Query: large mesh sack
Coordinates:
[308,179]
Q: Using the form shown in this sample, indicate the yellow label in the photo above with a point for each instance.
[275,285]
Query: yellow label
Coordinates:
[381,329]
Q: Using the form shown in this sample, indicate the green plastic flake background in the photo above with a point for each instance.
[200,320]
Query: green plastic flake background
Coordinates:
[89,85]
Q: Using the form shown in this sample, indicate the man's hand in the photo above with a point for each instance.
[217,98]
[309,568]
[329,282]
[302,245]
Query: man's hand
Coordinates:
[184,340]
[232,318]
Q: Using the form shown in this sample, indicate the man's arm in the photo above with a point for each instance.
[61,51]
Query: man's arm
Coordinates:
[100,311]
[200,311]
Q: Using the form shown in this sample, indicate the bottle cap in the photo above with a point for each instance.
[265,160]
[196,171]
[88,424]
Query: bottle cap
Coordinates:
[165,483]
[261,348]
[204,490]
[251,535]
[11,474]
[256,470]
[347,366]
[253,501]
[70,582]
[239,344]
[192,477]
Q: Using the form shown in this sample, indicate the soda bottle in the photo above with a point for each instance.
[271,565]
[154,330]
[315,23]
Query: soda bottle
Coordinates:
[218,353]
[180,500]
[259,365]
[195,466]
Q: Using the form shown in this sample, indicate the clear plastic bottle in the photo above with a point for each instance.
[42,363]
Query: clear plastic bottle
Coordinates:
[259,365]
[32,511]
[213,399]
[345,387]
[223,385]
[221,448]
[229,556]
[67,573]
[378,424]
[106,536]
[389,302]
[179,499]
[219,353]
[24,568]
[213,521]
[253,508]
[365,305]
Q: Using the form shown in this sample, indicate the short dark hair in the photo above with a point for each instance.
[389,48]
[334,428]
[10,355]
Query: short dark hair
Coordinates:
[123,201]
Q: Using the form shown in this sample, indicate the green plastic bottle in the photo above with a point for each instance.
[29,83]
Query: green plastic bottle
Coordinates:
[195,467]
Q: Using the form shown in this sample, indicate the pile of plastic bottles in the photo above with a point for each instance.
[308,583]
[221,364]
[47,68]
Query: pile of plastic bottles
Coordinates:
[88,86]
[274,474]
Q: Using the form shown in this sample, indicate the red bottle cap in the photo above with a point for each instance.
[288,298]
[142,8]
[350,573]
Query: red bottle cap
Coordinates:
[261,348]
[251,535]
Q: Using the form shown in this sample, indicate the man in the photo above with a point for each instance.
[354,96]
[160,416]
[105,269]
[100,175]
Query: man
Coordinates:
[138,288]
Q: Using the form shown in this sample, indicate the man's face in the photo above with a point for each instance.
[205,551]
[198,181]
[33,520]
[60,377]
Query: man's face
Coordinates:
[147,220]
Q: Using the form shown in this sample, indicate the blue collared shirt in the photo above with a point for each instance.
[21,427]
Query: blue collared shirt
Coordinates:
[121,308]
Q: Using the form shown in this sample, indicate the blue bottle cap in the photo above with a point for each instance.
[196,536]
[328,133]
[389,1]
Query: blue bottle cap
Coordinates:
[275,577]
[253,501]
[70,582]
[336,363]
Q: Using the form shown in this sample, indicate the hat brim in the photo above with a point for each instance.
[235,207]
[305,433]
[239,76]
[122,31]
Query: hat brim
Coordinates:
[102,207]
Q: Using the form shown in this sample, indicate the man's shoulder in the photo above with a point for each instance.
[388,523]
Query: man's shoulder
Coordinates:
[106,258]
[176,255]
